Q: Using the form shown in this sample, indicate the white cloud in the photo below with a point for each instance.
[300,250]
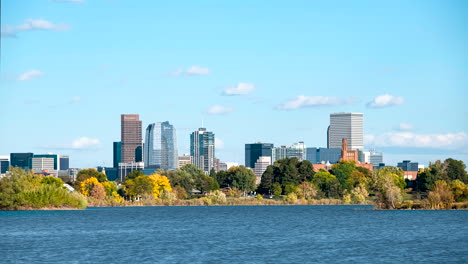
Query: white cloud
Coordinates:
[69,1]
[75,100]
[219,144]
[405,126]
[409,139]
[32,24]
[29,75]
[218,110]
[385,100]
[84,143]
[302,101]
[194,70]
[240,89]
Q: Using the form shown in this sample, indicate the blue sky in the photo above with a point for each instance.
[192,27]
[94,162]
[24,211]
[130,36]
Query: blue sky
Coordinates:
[269,71]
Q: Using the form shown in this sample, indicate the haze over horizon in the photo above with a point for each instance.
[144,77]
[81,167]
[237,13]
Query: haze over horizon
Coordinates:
[250,71]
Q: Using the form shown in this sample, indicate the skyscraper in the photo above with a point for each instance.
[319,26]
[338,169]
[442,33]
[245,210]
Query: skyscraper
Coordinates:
[64,162]
[160,150]
[21,160]
[117,155]
[349,126]
[131,137]
[254,151]
[202,149]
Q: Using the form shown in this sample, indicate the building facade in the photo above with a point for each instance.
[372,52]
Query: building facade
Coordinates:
[184,160]
[64,162]
[323,155]
[4,164]
[255,150]
[202,149]
[44,165]
[54,157]
[21,160]
[296,150]
[117,154]
[160,149]
[260,167]
[131,137]
[349,126]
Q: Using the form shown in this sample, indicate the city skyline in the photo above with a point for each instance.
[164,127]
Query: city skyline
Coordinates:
[274,78]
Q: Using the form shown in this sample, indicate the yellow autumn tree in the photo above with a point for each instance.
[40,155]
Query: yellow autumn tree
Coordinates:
[87,186]
[159,184]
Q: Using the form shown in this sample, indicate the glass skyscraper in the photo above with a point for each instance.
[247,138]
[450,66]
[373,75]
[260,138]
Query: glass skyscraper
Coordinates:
[21,160]
[256,150]
[160,148]
[202,149]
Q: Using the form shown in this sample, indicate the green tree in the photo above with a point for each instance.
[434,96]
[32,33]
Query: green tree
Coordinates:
[343,171]
[266,180]
[305,170]
[52,181]
[456,170]
[459,190]
[277,189]
[388,184]
[327,183]
[290,188]
[242,178]
[133,174]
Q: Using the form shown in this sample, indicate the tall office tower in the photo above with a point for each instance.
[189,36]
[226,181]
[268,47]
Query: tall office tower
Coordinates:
[54,157]
[255,150]
[349,126]
[4,164]
[160,150]
[117,153]
[296,150]
[202,149]
[64,162]
[375,157]
[21,160]
[131,137]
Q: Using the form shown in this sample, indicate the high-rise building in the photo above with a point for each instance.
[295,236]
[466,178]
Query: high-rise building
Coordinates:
[407,165]
[323,155]
[54,157]
[255,150]
[160,150]
[202,149]
[4,164]
[64,162]
[349,126]
[296,150]
[260,167]
[131,137]
[375,157]
[21,160]
[117,157]
[184,160]
[43,163]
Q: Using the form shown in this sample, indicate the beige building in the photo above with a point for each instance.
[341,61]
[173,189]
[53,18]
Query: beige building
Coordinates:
[184,160]
[260,167]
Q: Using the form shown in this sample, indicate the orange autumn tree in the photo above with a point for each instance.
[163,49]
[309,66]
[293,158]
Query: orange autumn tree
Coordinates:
[92,187]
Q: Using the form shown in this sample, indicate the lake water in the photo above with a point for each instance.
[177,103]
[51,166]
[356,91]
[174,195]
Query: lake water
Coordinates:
[234,234]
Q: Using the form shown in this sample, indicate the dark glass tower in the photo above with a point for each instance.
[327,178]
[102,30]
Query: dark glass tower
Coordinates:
[117,157]
[256,150]
[21,160]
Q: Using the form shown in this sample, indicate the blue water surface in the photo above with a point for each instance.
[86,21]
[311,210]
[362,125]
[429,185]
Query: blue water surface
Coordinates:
[234,234]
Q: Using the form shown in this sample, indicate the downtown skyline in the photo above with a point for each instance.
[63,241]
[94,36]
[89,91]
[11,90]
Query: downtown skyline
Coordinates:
[273,78]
